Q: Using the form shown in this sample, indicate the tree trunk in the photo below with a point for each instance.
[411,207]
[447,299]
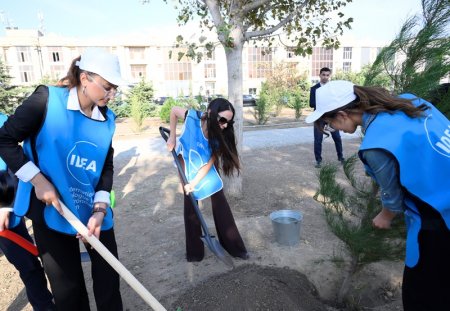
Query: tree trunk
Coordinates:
[234,67]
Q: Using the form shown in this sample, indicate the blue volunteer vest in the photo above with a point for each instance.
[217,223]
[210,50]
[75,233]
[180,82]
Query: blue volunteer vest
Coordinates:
[14,220]
[196,153]
[422,149]
[71,149]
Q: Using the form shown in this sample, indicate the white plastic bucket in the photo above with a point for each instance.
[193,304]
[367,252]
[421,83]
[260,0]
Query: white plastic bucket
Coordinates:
[286,226]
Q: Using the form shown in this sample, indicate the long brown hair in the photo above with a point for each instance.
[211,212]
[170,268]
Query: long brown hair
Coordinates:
[376,99]
[72,77]
[222,142]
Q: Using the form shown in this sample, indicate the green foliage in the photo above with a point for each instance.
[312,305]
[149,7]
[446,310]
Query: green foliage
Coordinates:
[303,23]
[299,97]
[440,97]
[350,215]
[46,80]
[279,99]
[10,96]
[359,78]
[120,108]
[424,43]
[140,100]
[263,106]
[191,103]
[164,113]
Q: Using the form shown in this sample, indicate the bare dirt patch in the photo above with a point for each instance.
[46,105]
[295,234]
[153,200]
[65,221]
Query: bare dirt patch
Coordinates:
[262,288]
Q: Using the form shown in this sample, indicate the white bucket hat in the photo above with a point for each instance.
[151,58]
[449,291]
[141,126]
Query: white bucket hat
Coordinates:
[104,64]
[331,96]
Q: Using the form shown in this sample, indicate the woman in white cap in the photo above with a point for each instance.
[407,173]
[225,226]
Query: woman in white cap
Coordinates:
[406,149]
[67,154]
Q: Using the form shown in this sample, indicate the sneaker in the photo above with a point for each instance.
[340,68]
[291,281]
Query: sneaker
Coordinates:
[318,164]
[342,161]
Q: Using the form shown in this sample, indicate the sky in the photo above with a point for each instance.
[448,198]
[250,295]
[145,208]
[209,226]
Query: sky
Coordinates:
[378,20]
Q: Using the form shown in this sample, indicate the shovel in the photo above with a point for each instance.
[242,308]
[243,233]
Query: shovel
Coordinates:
[211,242]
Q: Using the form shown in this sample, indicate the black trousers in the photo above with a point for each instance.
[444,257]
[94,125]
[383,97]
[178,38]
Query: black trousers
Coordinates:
[30,270]
[318,139]
[426,287]
[226,228]
[60,254]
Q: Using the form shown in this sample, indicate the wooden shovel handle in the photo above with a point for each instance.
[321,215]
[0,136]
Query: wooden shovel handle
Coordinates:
[113,261]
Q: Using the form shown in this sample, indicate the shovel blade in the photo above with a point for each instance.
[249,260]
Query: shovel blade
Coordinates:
[216,248]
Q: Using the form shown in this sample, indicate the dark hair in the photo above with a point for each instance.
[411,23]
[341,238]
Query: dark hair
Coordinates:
[222,142]
[377,99]
[374,100]
[8,185]
[72,77]
[325,69]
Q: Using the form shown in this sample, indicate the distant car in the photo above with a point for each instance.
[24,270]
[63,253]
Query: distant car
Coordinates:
[161,100]
[249,100]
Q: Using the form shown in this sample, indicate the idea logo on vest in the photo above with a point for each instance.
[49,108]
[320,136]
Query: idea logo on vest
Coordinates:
[440,143]
[81,162]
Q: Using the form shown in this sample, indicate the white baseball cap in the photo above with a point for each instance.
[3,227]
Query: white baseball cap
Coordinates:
[104,64]
[331,96]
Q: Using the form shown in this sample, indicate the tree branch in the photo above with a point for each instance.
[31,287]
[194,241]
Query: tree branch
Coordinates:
[214,10]
[253,5]
[268,31]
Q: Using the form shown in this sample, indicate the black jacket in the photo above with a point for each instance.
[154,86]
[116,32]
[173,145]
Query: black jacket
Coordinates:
[312,96]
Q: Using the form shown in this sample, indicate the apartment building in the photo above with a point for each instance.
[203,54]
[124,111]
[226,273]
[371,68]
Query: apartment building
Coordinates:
[31,56]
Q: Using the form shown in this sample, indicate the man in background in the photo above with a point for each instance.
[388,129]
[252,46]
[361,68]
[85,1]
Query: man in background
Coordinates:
[324,75]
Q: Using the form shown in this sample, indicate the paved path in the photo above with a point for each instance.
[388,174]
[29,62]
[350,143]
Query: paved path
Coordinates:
[252,140]
[283,137]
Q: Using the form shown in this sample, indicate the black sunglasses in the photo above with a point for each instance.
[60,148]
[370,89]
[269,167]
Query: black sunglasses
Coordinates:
[223,120]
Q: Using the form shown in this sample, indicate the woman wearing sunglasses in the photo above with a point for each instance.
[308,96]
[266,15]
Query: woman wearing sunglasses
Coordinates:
[67,154]
[406,149]
[207,144]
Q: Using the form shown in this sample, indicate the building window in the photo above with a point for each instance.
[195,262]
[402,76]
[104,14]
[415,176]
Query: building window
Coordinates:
[26,74]
[210,71]
[365,56]
[259,62]
[138,71]
[347,53]
[174,69]
[57,71]
[177,71]
[213,55]
[321,57]
[137,53]
[252,91]
[210,88]
[23,54]
[55,57]
[347,66]
[55,54]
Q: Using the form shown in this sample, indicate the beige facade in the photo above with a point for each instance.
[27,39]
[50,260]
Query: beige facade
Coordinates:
[31,56]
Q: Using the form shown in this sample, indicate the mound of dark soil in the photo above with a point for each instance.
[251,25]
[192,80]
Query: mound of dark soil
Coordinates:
[253,287]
